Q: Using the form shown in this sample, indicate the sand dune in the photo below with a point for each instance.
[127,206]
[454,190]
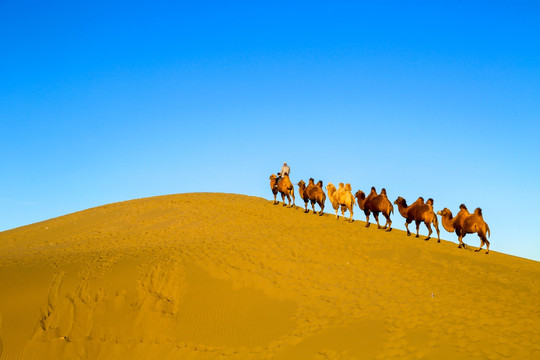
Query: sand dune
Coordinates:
[210,276]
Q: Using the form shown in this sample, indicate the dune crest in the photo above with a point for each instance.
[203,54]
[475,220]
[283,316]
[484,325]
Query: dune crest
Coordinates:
[206,276]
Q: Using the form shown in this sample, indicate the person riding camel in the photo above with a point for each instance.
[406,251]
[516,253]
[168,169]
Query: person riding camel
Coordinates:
[285,169]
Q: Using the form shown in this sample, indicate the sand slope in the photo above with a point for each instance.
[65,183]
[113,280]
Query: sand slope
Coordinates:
[206,276]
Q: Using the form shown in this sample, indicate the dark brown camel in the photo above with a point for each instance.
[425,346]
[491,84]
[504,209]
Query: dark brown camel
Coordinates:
[284,187]
[466,223]
[313,193]
[419,211]
[376,204]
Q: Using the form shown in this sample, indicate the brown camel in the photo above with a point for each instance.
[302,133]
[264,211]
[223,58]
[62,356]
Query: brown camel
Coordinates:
[376,204]
[466,223]
[419,211]
[284,187]
[341,197]
[314,193]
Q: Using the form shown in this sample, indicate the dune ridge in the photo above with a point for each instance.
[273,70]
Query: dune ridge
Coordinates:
[212,275]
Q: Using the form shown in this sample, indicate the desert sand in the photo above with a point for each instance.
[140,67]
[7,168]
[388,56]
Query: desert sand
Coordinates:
[225,276]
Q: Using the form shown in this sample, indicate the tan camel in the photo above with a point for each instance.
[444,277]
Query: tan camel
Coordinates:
[341,197]
[419,211]
[313,193]
[466,223]
[284,187]
[376,204]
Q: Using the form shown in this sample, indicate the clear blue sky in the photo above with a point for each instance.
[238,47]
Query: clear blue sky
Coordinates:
[109,101]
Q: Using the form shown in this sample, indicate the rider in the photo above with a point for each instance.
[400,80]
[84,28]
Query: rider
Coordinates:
[285,169]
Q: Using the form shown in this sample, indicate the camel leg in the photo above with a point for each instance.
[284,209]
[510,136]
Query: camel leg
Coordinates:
[461,243]
[275,201]
[322,208]
[350,218]
[283,199]
[428,225]
[407,226]
[386,223]
[367,219]
[376,216]
[483,240]
[436,225]
[389,222]
[417,228]
[481,245]
[313,207]
[337,216]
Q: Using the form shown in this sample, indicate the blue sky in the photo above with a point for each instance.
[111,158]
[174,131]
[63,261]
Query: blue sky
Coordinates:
[109,101]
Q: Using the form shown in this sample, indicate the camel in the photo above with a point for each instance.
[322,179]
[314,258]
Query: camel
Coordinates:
[376,204]
[284,187]
[341,197]
[466,223]
[419,211]
[314,193]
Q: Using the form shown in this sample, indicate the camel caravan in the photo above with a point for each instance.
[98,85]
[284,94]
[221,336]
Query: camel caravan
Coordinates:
[419,211]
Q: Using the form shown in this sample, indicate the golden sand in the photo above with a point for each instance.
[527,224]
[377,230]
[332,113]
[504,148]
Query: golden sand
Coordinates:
[210,276]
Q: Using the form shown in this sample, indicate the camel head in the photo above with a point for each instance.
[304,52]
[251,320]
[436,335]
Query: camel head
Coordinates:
[301,184]
[273,176]
[400,201]
[330,187]
[445,212]
[360,195]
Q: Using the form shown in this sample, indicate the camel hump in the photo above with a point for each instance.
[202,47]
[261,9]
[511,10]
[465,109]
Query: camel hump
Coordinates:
[373,190]
[383,191]
[348,187]
[341,185]
[311,180]
[478,211]
[320,184]
[430,201]
[463,207]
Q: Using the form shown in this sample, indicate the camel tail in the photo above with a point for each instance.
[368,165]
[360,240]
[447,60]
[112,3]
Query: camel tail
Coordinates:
[488,231]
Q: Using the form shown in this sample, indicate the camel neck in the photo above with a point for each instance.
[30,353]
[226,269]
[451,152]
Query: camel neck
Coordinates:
[447,223]
[402,208]
[361,202]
